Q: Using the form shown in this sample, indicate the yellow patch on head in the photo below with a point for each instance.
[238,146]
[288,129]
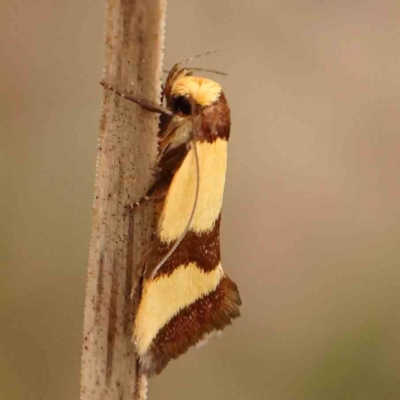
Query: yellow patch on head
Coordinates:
[202,90]
[180,197]
[164,297]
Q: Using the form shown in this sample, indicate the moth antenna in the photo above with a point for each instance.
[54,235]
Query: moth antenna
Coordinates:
[206,53]
[212,71]
[178,242]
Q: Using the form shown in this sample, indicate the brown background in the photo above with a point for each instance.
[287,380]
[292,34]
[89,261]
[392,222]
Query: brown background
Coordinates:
[311,218]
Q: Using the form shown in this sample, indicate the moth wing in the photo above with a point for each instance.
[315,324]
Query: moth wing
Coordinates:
[168,165]
[190,298]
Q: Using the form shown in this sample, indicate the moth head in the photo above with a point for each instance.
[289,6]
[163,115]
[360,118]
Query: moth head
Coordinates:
[183,91]
[188,90]
[200,98]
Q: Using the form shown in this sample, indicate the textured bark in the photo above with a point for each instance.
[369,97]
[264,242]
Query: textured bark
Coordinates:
[126,155]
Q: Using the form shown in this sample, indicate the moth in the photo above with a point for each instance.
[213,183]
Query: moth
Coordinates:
[185,293]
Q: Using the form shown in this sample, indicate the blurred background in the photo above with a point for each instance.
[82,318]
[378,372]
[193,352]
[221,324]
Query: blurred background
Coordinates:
[311,222]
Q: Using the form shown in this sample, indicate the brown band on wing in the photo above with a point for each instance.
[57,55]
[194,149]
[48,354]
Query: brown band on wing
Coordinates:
[215,121]
[168,165]
[210,313]
[202,249]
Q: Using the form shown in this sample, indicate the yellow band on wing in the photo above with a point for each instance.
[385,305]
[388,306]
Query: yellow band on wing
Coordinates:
[180,198]
[164,297]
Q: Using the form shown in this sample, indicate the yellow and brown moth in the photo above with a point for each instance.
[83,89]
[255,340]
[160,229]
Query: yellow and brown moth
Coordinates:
[185,293]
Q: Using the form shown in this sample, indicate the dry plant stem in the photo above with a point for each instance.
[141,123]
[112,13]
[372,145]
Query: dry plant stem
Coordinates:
[127,152]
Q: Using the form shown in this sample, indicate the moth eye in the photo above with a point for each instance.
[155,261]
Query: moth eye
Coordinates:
[181,104]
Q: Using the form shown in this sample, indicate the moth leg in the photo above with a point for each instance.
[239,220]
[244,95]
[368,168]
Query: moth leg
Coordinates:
[138,203]
[141,384]
[146,104]
[144,200]
[137,284]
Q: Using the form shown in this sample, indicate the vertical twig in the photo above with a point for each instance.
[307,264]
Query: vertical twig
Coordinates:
[126,153]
